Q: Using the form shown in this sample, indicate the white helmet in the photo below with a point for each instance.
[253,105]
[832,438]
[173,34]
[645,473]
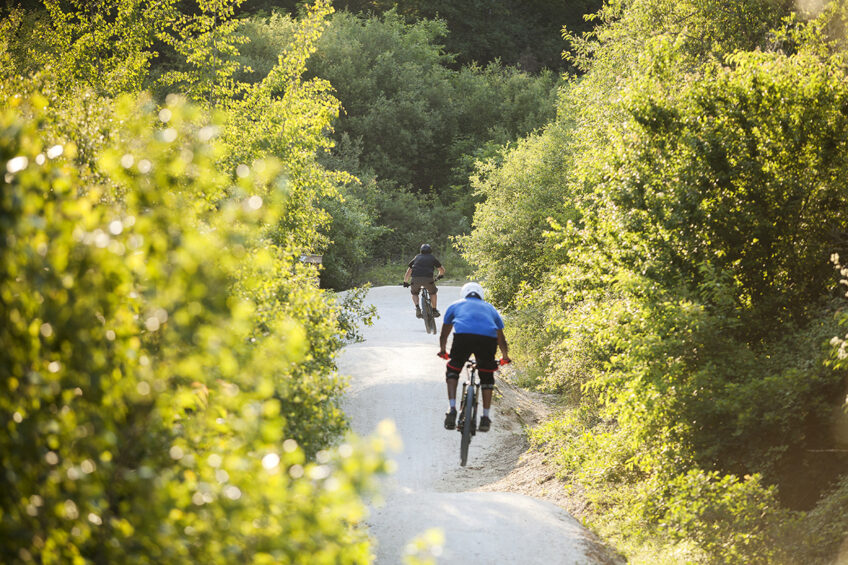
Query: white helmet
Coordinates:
[471,288]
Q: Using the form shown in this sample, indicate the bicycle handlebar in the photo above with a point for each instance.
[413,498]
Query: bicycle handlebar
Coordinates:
[407,285]
[501,362]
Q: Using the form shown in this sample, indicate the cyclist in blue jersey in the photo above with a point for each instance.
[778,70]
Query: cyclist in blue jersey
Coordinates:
[478,329]
[420,273]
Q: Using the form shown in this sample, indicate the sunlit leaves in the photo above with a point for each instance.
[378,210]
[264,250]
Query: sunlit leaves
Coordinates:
[520,194]
[106,45]
[687,304]
[168,384]
[206,38]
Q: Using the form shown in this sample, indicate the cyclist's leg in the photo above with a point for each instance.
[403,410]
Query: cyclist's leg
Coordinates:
[433,289]
[414,289]
[484,351]
[487,396]
[485,348]
[461,349]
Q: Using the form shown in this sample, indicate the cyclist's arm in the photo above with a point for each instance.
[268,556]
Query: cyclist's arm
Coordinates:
[443,338]
[408,274]
[441,271]
[502,344]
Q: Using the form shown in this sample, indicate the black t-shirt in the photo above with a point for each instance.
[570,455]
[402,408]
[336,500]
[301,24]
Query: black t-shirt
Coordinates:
[423,265]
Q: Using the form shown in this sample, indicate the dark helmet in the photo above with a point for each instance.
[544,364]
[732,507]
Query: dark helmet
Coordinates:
[426,248]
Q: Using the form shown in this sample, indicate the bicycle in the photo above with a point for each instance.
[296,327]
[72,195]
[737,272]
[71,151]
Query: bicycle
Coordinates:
[467,426]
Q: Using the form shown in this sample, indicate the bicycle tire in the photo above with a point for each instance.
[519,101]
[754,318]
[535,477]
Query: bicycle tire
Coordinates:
[427,312]
[467,426]
[474,411]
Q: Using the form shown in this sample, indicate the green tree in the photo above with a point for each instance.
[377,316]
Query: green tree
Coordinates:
[688,298]
[167,360]
[521,33]
[456,116]
[105,45]
[139,415]
[519,195]
[394,89]
[287,116]
[416,117]
[207,41]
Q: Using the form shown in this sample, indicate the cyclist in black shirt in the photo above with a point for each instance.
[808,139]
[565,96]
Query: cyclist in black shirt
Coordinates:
[420,273]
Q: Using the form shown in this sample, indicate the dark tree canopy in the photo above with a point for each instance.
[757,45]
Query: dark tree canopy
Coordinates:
[525,33]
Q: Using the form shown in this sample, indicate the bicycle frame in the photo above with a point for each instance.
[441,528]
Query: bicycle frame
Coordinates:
[467,421]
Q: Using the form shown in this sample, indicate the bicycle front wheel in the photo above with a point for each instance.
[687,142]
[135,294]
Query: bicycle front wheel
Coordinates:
[431,322]
[427,312]
[467,426]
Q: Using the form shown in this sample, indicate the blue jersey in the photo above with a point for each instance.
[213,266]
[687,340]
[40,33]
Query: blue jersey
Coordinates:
[474,316]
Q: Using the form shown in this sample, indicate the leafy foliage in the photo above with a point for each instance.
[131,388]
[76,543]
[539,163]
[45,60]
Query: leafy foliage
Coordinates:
[393,85]
[410,121]
[286,116]
[138,400]
[207,42]
[522,33]
[676,285]
[169,392]
[410,129]
[518,197]
[518,33]
[104,45]
[408,108]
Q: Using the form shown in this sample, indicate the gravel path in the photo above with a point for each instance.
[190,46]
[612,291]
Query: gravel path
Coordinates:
[396,375]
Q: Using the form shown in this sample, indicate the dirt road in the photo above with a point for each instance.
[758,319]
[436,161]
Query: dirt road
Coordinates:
[396,375]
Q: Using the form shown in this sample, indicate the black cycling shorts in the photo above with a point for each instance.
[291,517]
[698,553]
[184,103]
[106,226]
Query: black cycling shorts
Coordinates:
[483,347]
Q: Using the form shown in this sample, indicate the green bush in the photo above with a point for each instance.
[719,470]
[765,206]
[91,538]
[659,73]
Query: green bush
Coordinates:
[681,293]
[732,520]
[520,33]
[391,80]
[410,128]
[519,197]
[145,419]
[824,531]
[169,392]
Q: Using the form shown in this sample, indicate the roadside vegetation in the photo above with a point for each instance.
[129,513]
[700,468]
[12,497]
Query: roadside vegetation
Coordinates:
[665,248]
[169,392]
[661,213]
[167,362]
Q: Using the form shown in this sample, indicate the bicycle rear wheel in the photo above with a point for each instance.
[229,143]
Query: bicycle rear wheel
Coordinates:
[467,426]
[427,312]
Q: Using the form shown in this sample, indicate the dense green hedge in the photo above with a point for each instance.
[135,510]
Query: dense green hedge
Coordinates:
[144,418]
[668,273]
[167,370]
